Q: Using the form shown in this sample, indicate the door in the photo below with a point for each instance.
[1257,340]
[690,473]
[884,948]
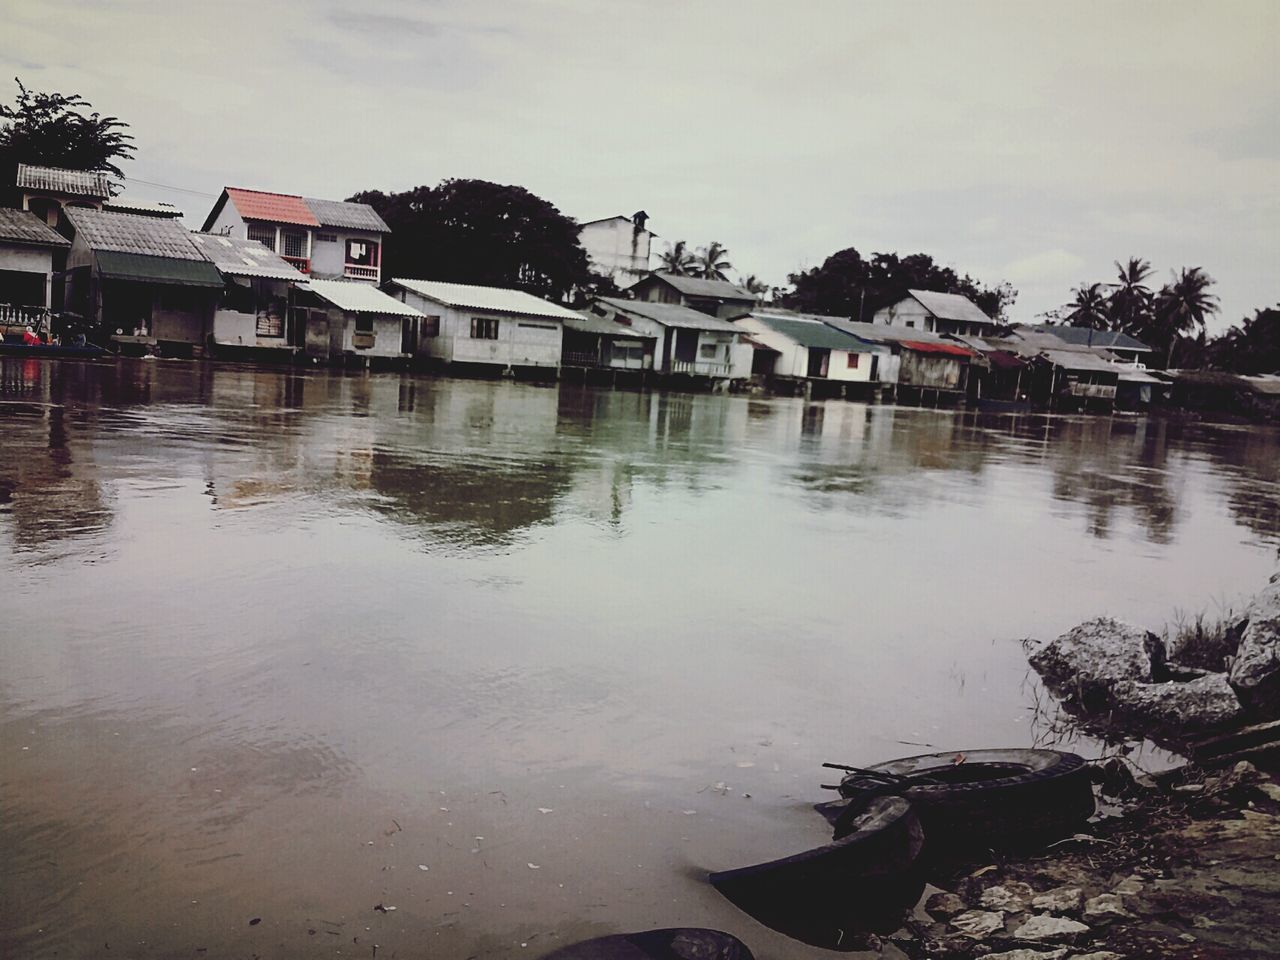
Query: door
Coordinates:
[819,358]
[409,335]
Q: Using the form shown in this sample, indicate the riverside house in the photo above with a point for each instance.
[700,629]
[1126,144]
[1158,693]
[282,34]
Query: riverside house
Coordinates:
[327,239]
[46,191]
[688,343]
[504,331]
[352,322]
[927,311]
[718,298]
[255,316]
[141,281]
[591,341]
[807,349]
[30,251]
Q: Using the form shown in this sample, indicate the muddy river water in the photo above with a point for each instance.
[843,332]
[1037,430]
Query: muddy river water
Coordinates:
[279,648]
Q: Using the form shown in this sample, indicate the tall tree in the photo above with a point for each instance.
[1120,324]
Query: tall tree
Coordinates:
[56,130]
[1131,302]
[753,284]
[474,231]
[1182,307]
[1251,348]
[849,285]
[1088,307]
[678,260]
[713,262]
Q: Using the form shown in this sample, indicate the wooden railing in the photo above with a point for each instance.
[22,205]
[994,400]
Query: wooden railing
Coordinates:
[301,264]
[700,368]
[353,271]
[16,315]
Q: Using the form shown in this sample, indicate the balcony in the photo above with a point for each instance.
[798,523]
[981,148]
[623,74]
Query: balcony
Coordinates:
[1093,391]
[353,271]
[16,315]
[301,264]
[700,368]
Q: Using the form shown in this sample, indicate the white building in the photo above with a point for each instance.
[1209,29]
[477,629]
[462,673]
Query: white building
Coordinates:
[618,247]
[28,252]
[327,239]
[813,350]
[687,342]
[347,320]
[931,312]
[489,326]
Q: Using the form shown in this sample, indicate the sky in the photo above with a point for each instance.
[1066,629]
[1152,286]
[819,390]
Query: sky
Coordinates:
[1032,143]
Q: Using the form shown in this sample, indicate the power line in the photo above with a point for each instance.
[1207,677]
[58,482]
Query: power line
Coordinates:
[168,186]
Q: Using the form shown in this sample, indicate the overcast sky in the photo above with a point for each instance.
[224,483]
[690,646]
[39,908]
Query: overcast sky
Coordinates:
[1017,141]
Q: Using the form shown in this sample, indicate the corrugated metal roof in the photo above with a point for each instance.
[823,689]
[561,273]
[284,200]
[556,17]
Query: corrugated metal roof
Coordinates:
[1078,360]
[358,297]
[882,333]
[698,287]
[1133,375]
[814,333]
[671,315]
[78,183]
[271,207]
[497,299]
[132,233]
[951,306]
[1086,337]
[239,257]
[587,322]
[343,213]
[20,226]
[153,208]
[1267,383]
[929,346]
[166,270]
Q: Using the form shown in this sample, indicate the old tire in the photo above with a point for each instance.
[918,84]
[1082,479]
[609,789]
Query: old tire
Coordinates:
[862,881]
[990,798]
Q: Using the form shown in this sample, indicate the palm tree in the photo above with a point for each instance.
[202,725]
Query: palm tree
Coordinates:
[1183,305]
[1130,310]
[1088,308]
[754,285]
[678,259]
[712,262]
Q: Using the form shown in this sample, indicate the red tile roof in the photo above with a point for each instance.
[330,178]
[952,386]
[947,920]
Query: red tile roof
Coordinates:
[272,207]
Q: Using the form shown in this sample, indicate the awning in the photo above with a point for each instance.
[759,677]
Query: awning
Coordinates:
[949,349]
[165,270]
[1005,360]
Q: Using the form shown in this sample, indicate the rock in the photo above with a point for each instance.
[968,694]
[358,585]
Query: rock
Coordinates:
[1104,908]
[944,906]
[1177,709]
[1255,669]
[1242,776]
[1011,897]
[1051,930]
[1129,886]
[1087,661]
[1059,900]
[1022,953]
[1098,955]
[978,924]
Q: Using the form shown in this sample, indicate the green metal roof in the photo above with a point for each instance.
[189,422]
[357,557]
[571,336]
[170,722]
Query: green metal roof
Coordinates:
[813,333]
[166,270]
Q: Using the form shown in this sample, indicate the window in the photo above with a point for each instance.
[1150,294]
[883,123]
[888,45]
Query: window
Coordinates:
[911,323]
[538,326]
[327,237]
[362,253]
[853,361]
[431,326]
[484,328]
[264,233]
[364,323]
[293,244]
[709,351]
[270,321]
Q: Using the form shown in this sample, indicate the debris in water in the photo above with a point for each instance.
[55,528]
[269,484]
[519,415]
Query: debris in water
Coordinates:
[690,813]
[746,763]
[423,867]
[545,810]
[534,866]
[255,921]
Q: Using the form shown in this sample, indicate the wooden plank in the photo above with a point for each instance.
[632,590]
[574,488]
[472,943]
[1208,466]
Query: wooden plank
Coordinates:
[1260,734]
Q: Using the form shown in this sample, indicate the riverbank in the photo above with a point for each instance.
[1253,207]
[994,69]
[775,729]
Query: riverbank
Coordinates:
[1188,869]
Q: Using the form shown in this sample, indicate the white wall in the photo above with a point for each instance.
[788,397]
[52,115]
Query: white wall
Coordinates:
[908,312]
[521,342]
[387,335]
[329,257]
[616,248]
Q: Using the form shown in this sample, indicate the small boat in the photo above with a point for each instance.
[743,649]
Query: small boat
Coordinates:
[42,350]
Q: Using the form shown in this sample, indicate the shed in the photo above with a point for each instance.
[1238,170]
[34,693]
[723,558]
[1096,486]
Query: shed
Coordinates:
[348,319]
[688,342]
[258,295]
[591,340]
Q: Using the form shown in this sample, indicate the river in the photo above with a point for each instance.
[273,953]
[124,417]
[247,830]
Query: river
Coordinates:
[520,661]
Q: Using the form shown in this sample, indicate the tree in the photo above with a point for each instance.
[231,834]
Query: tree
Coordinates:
[1088,308]
[712,262]
[754,285]
[849,285]
[1131,302]
[1251,348]
[474,231]
[678,260]
[53,129]
[1181,307]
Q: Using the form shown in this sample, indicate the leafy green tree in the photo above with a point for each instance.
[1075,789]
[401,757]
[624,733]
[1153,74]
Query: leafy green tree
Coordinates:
[753,284]
[475,231]
[1181,308]
[1088,307]
[1251,348]
[56,130]
[849,285]
[678,260]
[713,262]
